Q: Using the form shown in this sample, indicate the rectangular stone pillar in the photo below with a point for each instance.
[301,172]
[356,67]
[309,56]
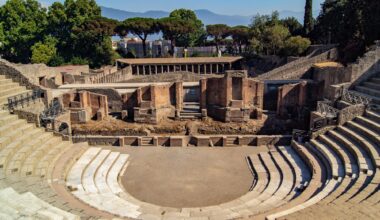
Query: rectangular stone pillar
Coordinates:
[211,68]
[143,70]
[199,69]
[203,93]
[155,69]
[205,68]
[217,68]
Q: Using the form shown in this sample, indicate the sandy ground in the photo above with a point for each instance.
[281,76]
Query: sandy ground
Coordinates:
[188,177]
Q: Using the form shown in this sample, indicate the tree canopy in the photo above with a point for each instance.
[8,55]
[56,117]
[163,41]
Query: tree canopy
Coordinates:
[76,27]
[23,23]
[218,32]
[197,36]
[352,24]
[141,27]
[308,19]
[173,28]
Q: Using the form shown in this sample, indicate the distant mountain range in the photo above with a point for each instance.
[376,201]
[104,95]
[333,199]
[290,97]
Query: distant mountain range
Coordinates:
[207,17]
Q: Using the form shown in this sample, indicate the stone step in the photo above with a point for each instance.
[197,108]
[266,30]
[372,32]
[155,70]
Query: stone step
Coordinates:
[190,113]
[4,99]
[367,136]
[42,167]
[352,142]
[88,177]
[300,168]
[7,119]
[9,92]
[368,123]
[373,116]
[369,91]
[188,117]
[74,178]
[334,162]
[22,154]
[10,150]
[11,126]
[5,81]
[351,169]
[8,85]
[15,133]
[371,85]
[101,174]
[375,80]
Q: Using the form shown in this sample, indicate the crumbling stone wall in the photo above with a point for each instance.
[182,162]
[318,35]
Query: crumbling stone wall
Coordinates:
[115,100]
[296,101]
[349,113]
[234,97]
[154,103]
[85,106]
[354,74]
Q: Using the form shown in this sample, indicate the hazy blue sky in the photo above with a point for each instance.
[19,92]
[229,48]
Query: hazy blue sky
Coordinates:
[228,7]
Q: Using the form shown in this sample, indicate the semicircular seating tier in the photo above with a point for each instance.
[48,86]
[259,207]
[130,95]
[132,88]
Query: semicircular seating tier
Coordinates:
[279,177]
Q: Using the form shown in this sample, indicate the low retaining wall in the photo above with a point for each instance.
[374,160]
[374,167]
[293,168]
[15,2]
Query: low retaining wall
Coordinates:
[186,141]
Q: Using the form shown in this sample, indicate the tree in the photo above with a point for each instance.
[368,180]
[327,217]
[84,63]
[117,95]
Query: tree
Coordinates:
[94,39]
[78,11]
[173,28]
[23,23]
[141,27]
[240,36]
[274,38]
[43,52]
[2,36]
[371,20]
[267,33]
[293,25]
[308,19]
[218,32]
[295,46]
[195,37]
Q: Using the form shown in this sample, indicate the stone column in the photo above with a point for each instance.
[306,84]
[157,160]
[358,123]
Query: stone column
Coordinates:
[199,69]
[187,68]
[143,70]
[205,68]
[217,68]
[211,68]
[155,69]
[203,93]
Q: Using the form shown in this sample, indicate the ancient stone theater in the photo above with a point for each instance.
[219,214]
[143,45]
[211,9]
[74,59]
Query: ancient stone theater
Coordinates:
[192,138]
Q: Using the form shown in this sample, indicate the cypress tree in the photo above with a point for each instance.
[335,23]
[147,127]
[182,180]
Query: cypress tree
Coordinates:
[308,19]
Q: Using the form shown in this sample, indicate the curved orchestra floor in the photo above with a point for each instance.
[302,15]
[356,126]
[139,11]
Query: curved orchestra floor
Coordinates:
[188,177]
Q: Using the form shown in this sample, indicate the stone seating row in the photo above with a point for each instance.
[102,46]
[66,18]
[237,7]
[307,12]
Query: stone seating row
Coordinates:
[16,206]
[93,179]
[9,88]
[349,157]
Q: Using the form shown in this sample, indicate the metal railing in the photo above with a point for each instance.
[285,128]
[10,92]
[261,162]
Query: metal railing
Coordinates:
[23,99]
[49,114]
[355,98]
